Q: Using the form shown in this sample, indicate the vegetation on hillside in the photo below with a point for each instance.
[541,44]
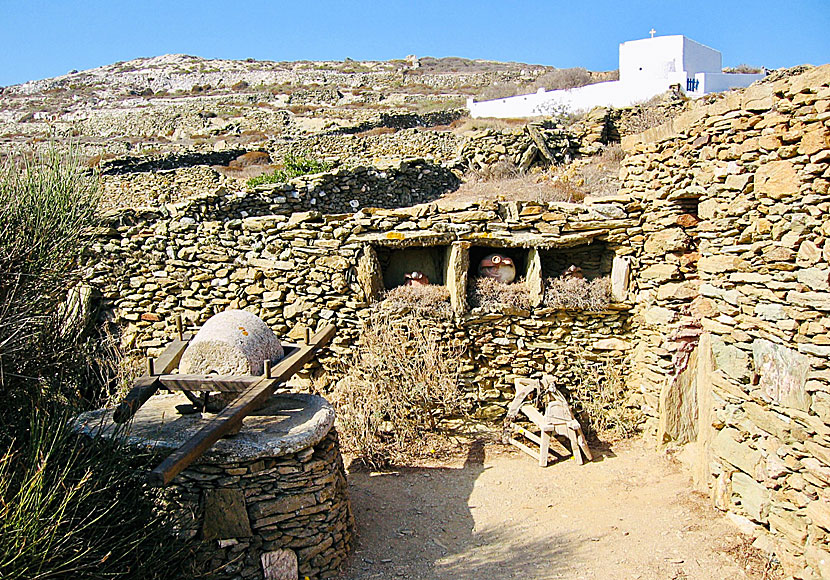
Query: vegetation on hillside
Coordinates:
[293,165]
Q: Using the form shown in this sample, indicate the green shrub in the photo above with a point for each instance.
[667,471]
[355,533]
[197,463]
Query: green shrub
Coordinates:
[47,204]
[76,508]
[69,508]
[293,165]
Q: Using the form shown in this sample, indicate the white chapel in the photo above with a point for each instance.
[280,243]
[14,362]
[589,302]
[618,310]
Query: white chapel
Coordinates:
[648,67]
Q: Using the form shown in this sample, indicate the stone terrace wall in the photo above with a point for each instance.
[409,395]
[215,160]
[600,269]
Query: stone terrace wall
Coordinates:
[389,183]
[306,269]
[733,305]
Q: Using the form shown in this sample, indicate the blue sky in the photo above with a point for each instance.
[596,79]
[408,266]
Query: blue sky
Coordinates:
[47,38]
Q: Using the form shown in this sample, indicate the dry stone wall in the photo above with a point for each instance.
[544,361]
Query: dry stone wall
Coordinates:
[209,195]
[304,270]
[523,147]
[731,287]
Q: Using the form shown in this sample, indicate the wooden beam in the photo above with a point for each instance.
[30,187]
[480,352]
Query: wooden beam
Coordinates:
[147,385]
[230,383]
[231,416]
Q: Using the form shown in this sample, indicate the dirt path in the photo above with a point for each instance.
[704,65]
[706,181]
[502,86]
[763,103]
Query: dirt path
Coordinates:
[629,515]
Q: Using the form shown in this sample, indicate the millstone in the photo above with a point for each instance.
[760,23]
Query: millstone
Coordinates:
[233,342]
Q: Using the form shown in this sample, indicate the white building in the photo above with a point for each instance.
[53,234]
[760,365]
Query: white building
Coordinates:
[648,67]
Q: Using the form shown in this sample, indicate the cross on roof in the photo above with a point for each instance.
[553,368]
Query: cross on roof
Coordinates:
[652,32]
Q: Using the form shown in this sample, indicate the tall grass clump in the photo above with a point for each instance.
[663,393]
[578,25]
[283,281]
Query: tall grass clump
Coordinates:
[400,380]
[492,294]
[77,508]
[578,293]
[69,507]
[599,397]
[293,165]
[47,205]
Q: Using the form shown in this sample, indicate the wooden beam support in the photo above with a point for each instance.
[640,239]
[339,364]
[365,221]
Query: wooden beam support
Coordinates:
[147,385]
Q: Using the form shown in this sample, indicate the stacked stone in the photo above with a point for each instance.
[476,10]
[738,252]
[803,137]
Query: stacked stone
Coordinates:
[390,183]
[735,254]
[524,147]
[301,271]
[242,510]
[152,188]
[351,149]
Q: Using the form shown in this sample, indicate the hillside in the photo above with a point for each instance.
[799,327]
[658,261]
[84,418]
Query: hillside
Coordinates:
[180,102]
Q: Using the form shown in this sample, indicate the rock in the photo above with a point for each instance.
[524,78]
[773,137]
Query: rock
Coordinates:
[659,316]
[754,496]
[817,300]
[279,565]
[808,253]
[731,360]
[620,273]
[611,344]
[678,291]
[721,263]
[668,240]
[819,512]
[233,342]
[770,311]
[783,374]
[815,278]
[225,515]
[726,446]
[777,179]
[660,272]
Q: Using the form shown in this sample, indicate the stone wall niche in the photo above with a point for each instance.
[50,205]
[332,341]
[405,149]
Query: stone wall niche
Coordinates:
[396,262]
[595,260]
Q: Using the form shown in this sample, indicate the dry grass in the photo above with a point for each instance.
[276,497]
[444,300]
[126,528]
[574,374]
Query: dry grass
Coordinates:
[490,294]
[757,563]
[578,293]
[251,158]
[599,397]
[401,379]
[597,176]
[504,181]
[431,301]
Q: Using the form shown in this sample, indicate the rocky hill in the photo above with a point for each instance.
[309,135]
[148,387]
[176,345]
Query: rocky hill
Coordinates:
[180,102]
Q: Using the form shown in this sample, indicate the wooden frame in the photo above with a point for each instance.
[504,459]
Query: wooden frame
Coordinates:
[253,392]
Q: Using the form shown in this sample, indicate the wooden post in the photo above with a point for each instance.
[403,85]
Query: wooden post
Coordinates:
[179,331]
[306,335]
[150,367]
[266,368]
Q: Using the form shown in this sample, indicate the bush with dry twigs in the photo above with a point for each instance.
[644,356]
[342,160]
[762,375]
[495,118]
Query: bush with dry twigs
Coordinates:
[491,294]
[401,378]
[578,293]
[430,301]
[599,397]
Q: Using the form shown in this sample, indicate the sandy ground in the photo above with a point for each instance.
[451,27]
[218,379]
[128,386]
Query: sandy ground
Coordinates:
[496,515]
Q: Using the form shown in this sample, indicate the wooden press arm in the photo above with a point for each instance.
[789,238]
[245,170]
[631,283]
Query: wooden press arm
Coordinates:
[147,385]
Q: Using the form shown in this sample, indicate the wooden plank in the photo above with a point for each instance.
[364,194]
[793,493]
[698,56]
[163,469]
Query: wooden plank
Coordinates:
[147,385]
[555,446]
[223,383]
[524,448]
[535,416]
[230,417]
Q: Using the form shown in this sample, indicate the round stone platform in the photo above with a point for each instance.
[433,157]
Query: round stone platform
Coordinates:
[288,423]
[270,502]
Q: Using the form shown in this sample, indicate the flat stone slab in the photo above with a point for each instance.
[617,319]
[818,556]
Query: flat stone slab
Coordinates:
[290,422]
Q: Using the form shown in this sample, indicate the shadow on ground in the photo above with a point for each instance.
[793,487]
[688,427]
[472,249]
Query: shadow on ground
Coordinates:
[418,523]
